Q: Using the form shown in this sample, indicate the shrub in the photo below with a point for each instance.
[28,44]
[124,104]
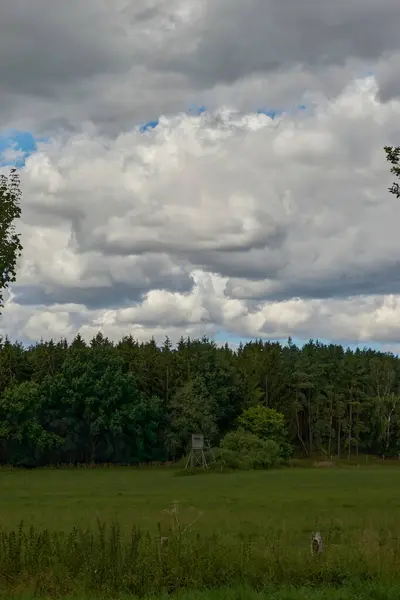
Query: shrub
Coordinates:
[267,424]
[244,450]
[224,459]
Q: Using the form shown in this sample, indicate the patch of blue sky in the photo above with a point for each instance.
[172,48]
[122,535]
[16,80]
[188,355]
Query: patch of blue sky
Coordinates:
[149,125]
[16,146]
[196,110]
[269,112]
[221,337]
[275,112]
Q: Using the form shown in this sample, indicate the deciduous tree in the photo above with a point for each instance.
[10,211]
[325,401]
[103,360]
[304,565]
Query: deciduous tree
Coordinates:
[393,156]
[10,243]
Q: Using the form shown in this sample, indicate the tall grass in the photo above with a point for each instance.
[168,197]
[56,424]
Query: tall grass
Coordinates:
[350,592]
[103,561]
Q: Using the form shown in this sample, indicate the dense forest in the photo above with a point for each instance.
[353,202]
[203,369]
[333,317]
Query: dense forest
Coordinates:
[131,402]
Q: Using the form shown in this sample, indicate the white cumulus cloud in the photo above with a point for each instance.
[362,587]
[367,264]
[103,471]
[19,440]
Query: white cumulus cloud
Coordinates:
[226,222]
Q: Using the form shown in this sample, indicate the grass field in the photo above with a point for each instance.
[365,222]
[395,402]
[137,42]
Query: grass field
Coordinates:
[360,592]
[295,501]
[269,515]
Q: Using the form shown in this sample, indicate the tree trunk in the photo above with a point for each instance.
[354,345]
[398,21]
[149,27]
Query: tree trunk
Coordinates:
[350,426]
[299,434]
[310,430]
[330,428]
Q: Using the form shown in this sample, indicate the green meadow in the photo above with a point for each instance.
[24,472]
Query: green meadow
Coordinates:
[96,533]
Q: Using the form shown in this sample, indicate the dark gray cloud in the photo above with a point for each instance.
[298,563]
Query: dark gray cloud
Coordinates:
[376,279]
[44,45]
[116,295]
[238,39]
[388,75]
[117,63]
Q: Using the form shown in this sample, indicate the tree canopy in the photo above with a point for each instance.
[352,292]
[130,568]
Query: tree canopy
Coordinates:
[131,402]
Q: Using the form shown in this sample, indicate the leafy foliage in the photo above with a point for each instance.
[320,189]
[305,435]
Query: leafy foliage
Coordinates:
[268,424]
[242,449]
[136,402]
[393,156]
[191,411]
[10,244]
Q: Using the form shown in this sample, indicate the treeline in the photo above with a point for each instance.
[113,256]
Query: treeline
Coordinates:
[135,402]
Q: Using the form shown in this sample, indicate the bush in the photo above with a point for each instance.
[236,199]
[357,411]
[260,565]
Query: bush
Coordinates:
[224,459]
[243,450]
[267,424]
[264,422]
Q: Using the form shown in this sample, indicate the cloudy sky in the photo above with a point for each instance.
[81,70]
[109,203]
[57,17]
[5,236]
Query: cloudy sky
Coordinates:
[203,167]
